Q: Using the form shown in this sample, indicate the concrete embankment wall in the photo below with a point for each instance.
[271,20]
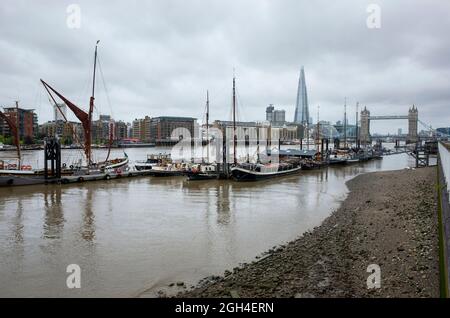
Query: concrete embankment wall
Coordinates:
[444,215]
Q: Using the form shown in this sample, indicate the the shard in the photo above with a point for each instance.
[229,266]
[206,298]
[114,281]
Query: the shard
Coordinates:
[301,108]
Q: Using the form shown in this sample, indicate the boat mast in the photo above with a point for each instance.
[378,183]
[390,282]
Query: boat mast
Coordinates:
[14,128]
[91,110]
[234,120]
[318,128]
[345,123]
[307,136]
[207,126]
[19,155]
[257,144]
[356,126]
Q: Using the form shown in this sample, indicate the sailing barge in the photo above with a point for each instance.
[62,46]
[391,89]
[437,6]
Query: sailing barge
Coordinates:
[86,122]
[18,174]
[205,170]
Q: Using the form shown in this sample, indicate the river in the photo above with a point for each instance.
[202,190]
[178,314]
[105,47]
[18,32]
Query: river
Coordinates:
[131,237]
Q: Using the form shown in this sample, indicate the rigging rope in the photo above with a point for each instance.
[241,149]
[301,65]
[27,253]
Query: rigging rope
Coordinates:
[106,89]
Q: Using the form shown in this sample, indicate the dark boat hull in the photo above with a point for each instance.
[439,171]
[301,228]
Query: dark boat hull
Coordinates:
[201,176]
[337,162]
[8,181]
[240,174]
[142,167]
[313,166]
[166,173]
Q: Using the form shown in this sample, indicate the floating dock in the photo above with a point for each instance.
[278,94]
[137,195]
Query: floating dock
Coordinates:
[12,180]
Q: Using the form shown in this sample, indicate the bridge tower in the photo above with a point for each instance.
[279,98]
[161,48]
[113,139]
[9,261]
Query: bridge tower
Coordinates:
[413,117]
[364,133]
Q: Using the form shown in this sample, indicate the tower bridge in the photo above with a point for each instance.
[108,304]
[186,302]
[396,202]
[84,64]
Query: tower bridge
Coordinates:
[387,117]
[412,117]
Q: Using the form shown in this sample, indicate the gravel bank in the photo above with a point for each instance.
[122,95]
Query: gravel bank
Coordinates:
[389,219]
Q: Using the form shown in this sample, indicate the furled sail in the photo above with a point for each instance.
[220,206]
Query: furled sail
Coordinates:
[84,118]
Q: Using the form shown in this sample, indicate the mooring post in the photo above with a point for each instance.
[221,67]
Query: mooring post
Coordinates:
[58,159]
[52,152]
[337,143]
[45,159]
[416,151]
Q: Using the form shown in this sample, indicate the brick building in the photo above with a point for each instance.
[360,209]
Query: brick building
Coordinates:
[161,128]
[28,122]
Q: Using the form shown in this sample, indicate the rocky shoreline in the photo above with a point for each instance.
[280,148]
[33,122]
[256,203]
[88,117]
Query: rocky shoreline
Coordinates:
[388,219]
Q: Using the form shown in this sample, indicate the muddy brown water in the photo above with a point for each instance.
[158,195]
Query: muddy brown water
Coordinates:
[131,237]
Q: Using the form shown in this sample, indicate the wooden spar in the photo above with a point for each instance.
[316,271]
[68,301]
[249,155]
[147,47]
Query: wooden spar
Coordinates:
[234,121]
[95,66]
[207,126]
[345,123]
[356,125]
[91,105]
[17,135]
[14,127]
[257,144]
[307,136]
[318,127]
[91,108]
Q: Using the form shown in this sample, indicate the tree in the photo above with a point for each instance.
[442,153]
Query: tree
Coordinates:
[6,140]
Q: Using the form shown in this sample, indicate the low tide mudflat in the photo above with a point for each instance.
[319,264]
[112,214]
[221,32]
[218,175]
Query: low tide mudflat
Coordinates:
[389,219]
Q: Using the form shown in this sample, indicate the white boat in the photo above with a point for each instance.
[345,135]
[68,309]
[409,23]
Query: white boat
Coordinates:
[153,161]
[85,118]
[203,171]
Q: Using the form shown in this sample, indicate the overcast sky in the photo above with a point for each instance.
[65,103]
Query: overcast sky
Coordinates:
[160,57]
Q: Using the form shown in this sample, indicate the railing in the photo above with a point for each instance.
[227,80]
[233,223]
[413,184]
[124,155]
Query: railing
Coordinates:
[444,156]
[444,216]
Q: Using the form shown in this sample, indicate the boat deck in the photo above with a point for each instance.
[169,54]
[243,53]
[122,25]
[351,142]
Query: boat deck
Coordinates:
[9,180]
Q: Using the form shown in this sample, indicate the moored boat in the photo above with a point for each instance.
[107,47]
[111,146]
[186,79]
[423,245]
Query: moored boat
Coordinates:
[170,170]
[339,156]
[353,160]
[118,163]
[202,172]
[313,164]
[255,172]
[16,167]
[161,165]
[153,160]
[17,180]
[85,118]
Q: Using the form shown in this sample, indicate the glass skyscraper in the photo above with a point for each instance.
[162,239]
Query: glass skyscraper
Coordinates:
[301,108]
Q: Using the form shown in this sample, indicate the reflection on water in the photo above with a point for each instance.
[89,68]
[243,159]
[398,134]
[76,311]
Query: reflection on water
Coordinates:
[136,235]
[88,229]
[54,215]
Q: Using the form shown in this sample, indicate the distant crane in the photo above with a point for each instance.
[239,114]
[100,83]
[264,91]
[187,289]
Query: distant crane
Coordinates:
[433,131]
